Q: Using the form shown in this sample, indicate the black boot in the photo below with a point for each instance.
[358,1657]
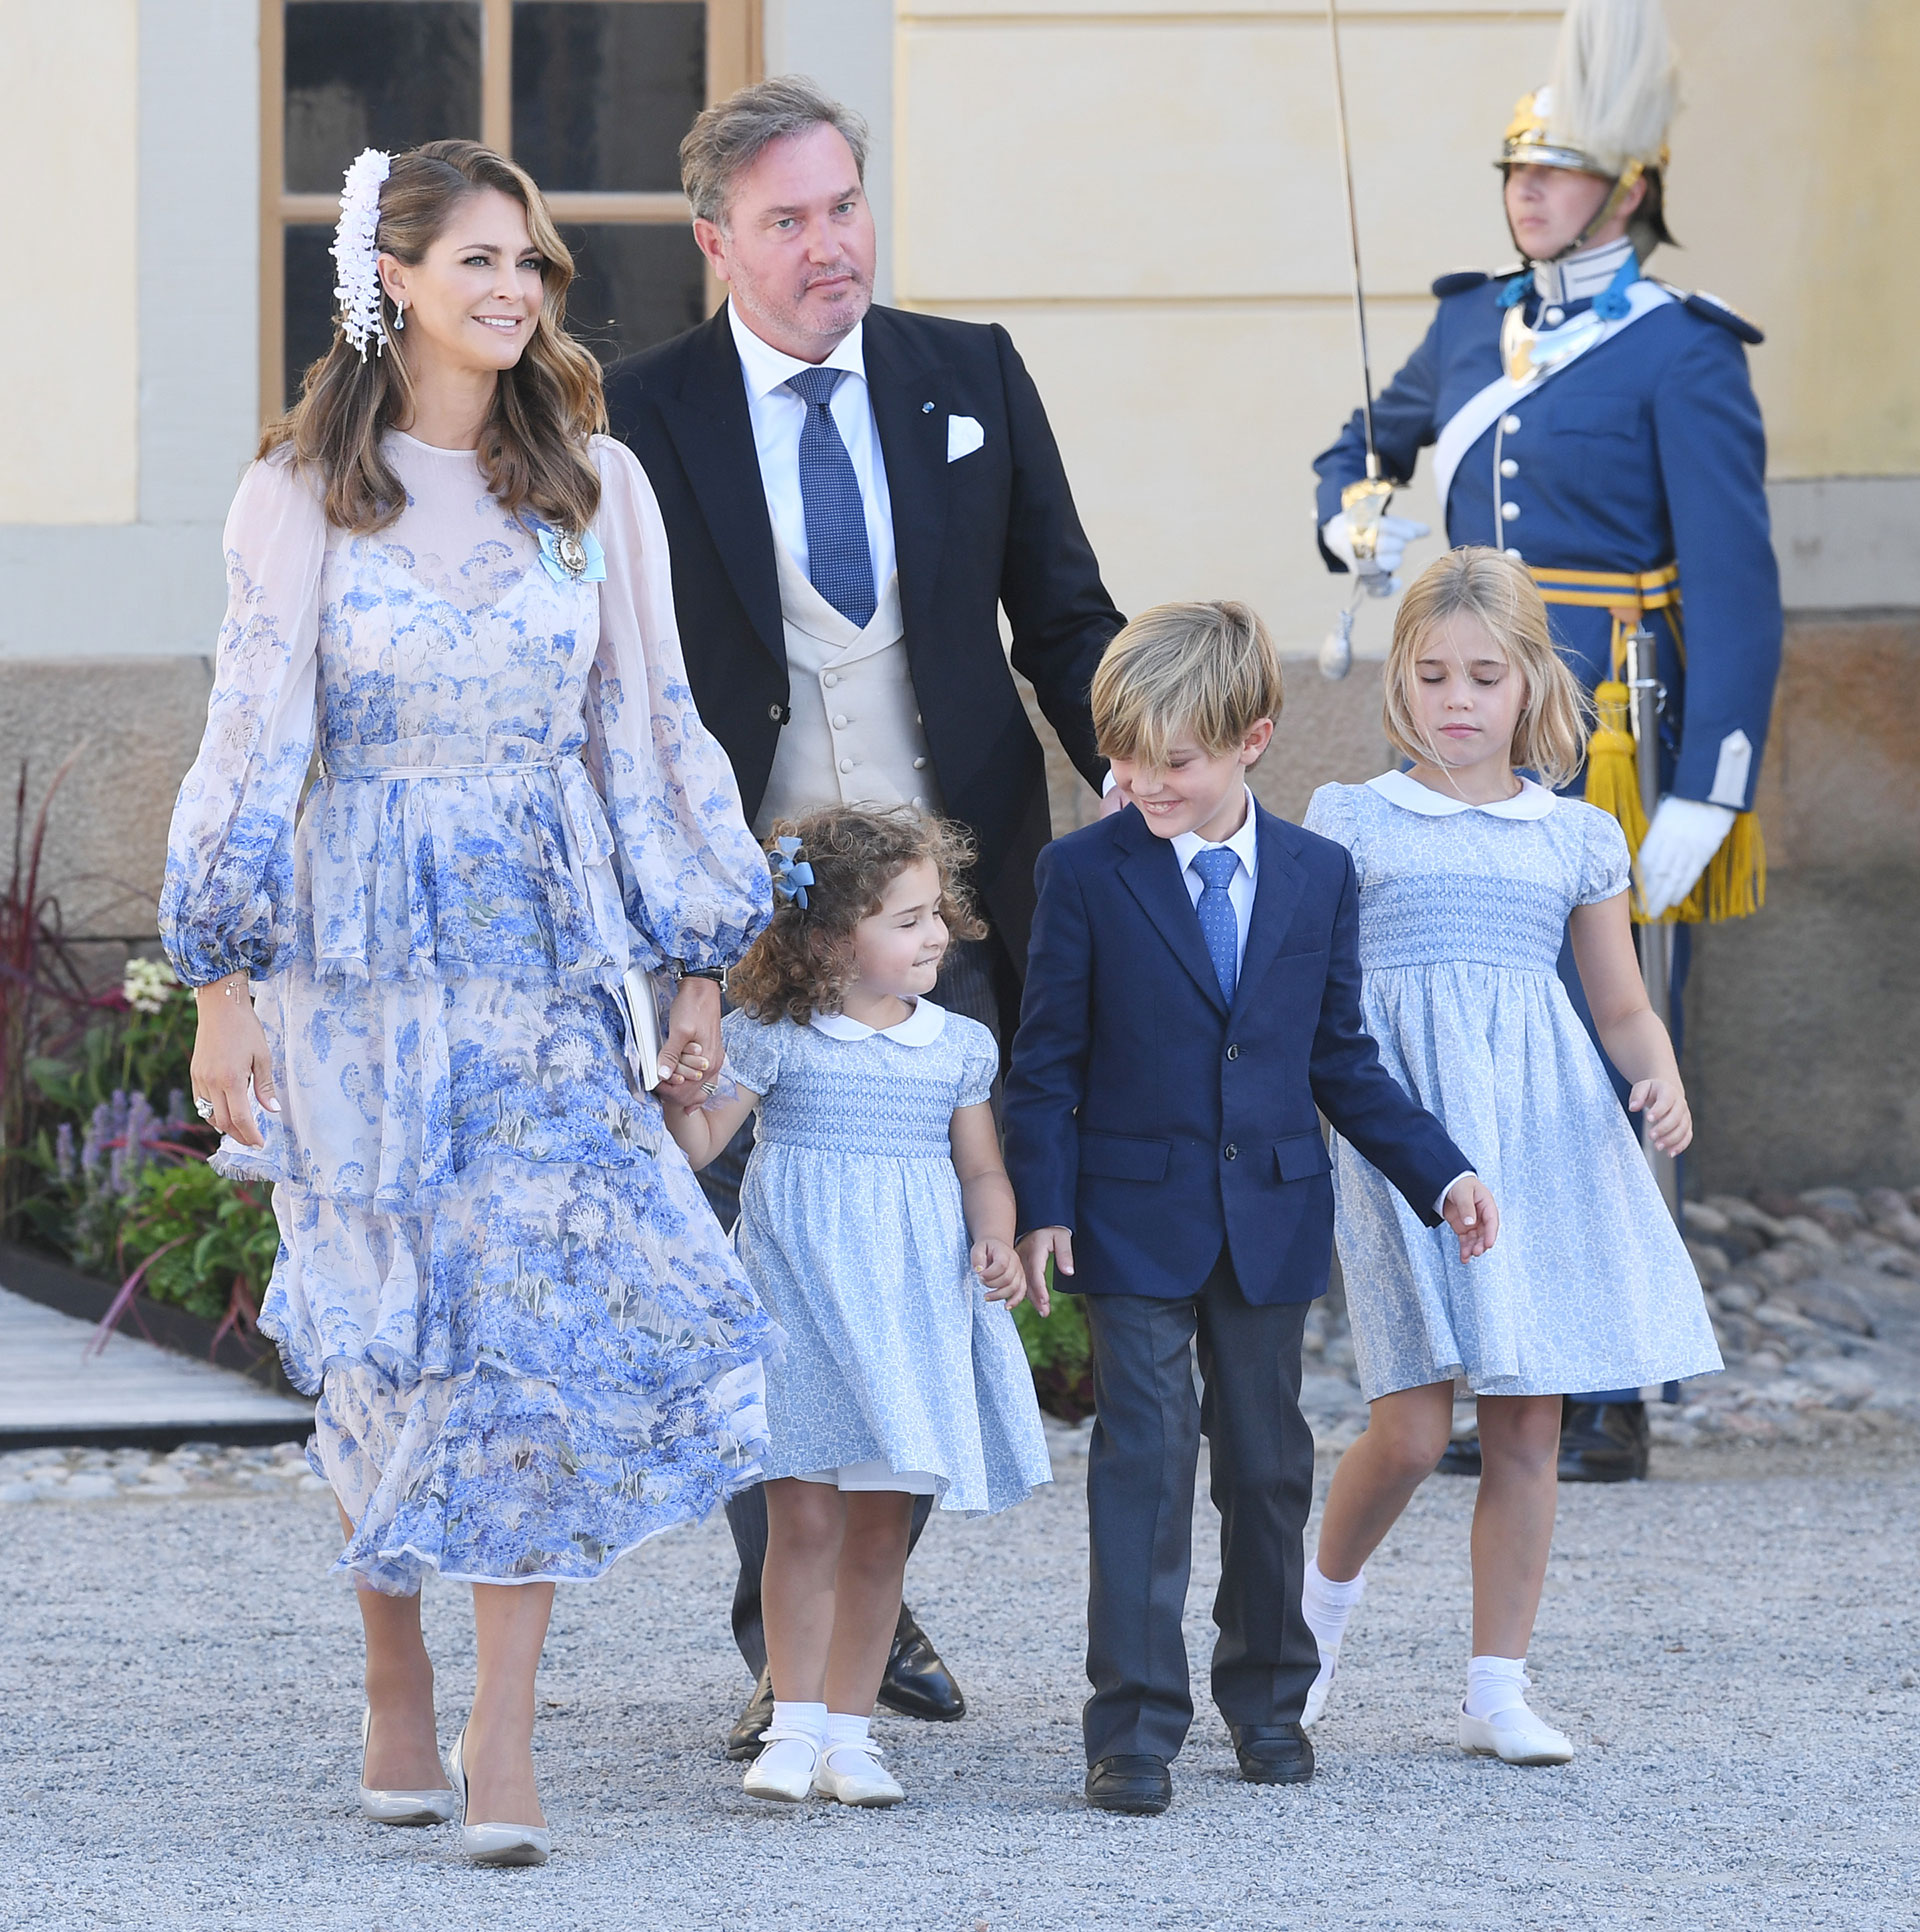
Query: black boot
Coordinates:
[1604,1442]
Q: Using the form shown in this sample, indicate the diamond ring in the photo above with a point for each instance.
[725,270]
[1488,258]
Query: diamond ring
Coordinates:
[710,1088]
[203,1107]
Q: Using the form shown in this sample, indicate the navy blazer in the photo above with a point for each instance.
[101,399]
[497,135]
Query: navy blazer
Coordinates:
[1156,1123]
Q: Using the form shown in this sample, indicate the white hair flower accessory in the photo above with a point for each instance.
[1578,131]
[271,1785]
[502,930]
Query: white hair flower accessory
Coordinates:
[356,260]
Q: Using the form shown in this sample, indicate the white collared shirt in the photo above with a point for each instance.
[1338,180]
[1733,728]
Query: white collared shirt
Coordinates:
[1245,846]
[920,1028]
[1402,788]
[778,415]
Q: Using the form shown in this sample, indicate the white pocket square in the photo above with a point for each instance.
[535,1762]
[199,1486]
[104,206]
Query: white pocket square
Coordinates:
[964,436]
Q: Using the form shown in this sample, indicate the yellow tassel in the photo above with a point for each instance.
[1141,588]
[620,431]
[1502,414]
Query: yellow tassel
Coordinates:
[1733,886]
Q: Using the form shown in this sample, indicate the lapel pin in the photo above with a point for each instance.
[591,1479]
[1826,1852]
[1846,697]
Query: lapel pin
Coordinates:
[926,409]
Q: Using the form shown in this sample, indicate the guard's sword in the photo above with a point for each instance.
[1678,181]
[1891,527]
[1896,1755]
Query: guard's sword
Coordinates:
[1644,701]
[1365,502]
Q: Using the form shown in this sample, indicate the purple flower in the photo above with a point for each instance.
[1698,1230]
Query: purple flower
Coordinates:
[63,1151]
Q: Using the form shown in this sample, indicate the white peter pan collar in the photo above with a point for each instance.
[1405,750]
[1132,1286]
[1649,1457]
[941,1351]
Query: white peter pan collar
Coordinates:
[920,1028]
[1401,788]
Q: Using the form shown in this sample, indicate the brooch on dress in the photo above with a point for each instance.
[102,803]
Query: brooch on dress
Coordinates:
[571,556]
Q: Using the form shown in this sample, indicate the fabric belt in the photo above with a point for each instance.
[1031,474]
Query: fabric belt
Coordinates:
[434,756]
[1627,594]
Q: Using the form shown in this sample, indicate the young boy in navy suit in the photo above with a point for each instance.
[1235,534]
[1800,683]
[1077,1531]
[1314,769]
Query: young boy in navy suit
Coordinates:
[1193,993]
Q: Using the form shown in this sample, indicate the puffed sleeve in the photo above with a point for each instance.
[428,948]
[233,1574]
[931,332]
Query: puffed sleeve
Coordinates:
[227,900]
[692,875]
[753,1051]
[1607,869]
[1330,813]
[979,1061]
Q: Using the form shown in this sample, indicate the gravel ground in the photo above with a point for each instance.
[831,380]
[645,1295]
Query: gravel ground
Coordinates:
[1733,1647]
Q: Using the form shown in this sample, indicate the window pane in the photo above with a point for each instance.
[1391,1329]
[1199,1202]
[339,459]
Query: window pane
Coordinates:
[376,74]
[636,285]
[309,320]
[602,93]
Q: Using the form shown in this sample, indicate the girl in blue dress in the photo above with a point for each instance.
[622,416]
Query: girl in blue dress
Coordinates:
[877,1223]
[1469,876]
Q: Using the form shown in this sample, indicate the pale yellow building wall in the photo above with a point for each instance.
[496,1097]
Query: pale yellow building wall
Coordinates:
[1147,196]
[69,328]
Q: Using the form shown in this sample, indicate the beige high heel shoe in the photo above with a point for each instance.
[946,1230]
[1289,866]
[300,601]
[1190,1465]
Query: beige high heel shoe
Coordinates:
[401,1807]
[493,1844]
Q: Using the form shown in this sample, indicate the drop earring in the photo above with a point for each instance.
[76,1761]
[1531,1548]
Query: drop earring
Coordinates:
[399,314]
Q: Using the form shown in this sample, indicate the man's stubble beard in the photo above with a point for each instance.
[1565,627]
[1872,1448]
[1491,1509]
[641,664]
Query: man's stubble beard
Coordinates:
[792,319]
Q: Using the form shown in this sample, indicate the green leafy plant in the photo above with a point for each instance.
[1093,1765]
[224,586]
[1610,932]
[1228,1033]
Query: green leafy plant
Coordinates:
[195,1238]
[1060,1353]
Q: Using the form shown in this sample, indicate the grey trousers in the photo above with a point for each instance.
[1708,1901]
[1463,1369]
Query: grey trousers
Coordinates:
[1141,1466]
[965,986]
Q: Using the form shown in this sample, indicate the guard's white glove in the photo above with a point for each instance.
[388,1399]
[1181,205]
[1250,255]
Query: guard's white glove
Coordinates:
[1395,534]
[1684,835]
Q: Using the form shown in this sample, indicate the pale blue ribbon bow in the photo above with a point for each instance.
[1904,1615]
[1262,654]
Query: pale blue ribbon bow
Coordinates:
[594,571]
[791,873]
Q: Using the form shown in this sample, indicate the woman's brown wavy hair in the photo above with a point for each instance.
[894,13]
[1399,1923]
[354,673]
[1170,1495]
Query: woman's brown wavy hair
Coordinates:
[534,445]
[803,963]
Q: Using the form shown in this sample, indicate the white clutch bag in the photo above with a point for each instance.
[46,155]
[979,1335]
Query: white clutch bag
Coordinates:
[641,1010]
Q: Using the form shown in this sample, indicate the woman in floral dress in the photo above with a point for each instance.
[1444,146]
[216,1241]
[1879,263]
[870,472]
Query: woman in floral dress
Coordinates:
[531,1345]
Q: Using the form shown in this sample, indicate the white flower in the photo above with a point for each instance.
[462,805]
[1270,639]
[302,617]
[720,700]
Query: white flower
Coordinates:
[355,256]
[147,984]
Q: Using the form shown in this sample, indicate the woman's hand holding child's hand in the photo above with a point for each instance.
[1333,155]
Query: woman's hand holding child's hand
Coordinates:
[1669,1120]
[1470,1211]
[998,1265]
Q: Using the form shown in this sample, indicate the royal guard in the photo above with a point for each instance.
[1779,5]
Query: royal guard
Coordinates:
[1600,426]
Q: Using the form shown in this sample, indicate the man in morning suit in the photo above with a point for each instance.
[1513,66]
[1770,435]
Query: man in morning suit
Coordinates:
[852,496]
[1193,994]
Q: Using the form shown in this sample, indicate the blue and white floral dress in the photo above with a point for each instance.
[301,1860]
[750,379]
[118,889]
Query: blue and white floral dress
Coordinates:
[531,1344]
[897,1372]
[1462,912]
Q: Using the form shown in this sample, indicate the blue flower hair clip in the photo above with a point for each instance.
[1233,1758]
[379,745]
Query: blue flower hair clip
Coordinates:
[791,873]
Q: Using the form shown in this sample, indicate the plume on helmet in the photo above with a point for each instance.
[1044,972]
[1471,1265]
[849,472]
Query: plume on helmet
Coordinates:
[1614,88]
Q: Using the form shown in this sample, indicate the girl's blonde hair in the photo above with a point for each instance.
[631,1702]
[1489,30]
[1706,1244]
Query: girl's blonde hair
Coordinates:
[1550,735]
[1209,670]
[533,447]
[803,963]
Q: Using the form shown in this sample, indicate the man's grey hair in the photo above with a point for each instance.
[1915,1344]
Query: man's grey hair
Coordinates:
[730,136]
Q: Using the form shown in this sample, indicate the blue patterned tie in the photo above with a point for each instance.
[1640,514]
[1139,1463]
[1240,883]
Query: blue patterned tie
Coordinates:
[1216,866]
[838,559]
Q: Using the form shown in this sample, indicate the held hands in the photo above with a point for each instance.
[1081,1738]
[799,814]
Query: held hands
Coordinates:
[1470,1211]
[1036,1249]
[997,1264]
[231,1069]
[691,1053]
[1669,1121]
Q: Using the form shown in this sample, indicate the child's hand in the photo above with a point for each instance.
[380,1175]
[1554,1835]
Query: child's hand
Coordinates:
[1035,1251]
[1470,1211]
[996,1263]
[1669,1123]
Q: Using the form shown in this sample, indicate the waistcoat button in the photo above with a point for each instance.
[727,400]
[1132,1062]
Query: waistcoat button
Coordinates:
[831,679]
[846,764]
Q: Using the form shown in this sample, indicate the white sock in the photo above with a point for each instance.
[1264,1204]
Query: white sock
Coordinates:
[1495,1684]
[810,1720]
[842,1729]
[1327,1605]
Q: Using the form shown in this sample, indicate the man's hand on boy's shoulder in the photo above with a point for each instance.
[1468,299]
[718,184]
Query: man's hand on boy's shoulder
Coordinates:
[1473,1214]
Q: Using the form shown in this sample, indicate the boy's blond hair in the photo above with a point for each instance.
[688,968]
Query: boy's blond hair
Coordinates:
[1550,735]
[1205,670]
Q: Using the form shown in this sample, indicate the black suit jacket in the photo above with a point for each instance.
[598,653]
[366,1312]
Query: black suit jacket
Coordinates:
[996,528]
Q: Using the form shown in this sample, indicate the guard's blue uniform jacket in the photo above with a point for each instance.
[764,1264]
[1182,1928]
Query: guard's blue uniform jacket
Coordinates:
[1645,450]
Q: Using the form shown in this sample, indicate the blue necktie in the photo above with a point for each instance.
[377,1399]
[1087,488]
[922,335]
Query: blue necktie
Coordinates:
[838,559]
[1218,926]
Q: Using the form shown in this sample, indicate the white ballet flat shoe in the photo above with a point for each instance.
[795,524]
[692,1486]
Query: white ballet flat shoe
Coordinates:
[852,1774]
[401,1807]
[1514,1736]
[1320,1689]
[493,1844]
[783,1772]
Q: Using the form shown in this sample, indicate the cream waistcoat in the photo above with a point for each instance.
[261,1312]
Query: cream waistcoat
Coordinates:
[854,736]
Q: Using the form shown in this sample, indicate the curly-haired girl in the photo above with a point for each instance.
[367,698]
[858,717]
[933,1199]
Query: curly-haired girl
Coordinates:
[874,1199]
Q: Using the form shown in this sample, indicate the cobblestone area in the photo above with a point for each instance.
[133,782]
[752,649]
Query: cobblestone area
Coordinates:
[195,1468]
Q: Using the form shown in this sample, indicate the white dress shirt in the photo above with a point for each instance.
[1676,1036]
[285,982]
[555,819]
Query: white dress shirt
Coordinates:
[1245,846]
[778,415]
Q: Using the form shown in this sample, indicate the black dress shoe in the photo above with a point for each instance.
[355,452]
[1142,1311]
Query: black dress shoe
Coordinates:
[1604,1442]
[917,1683]
[1272,1753]
[1136,1784]
[1461,1457]
[743,1741]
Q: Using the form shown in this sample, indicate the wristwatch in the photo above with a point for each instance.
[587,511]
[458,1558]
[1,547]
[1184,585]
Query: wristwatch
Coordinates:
[718,974]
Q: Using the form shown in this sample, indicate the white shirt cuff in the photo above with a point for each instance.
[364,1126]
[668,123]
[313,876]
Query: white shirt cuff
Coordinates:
[1440,1205]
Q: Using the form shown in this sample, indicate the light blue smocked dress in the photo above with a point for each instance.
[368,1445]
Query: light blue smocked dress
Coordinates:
[851,1228]
[531,1344]
[1462,913]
